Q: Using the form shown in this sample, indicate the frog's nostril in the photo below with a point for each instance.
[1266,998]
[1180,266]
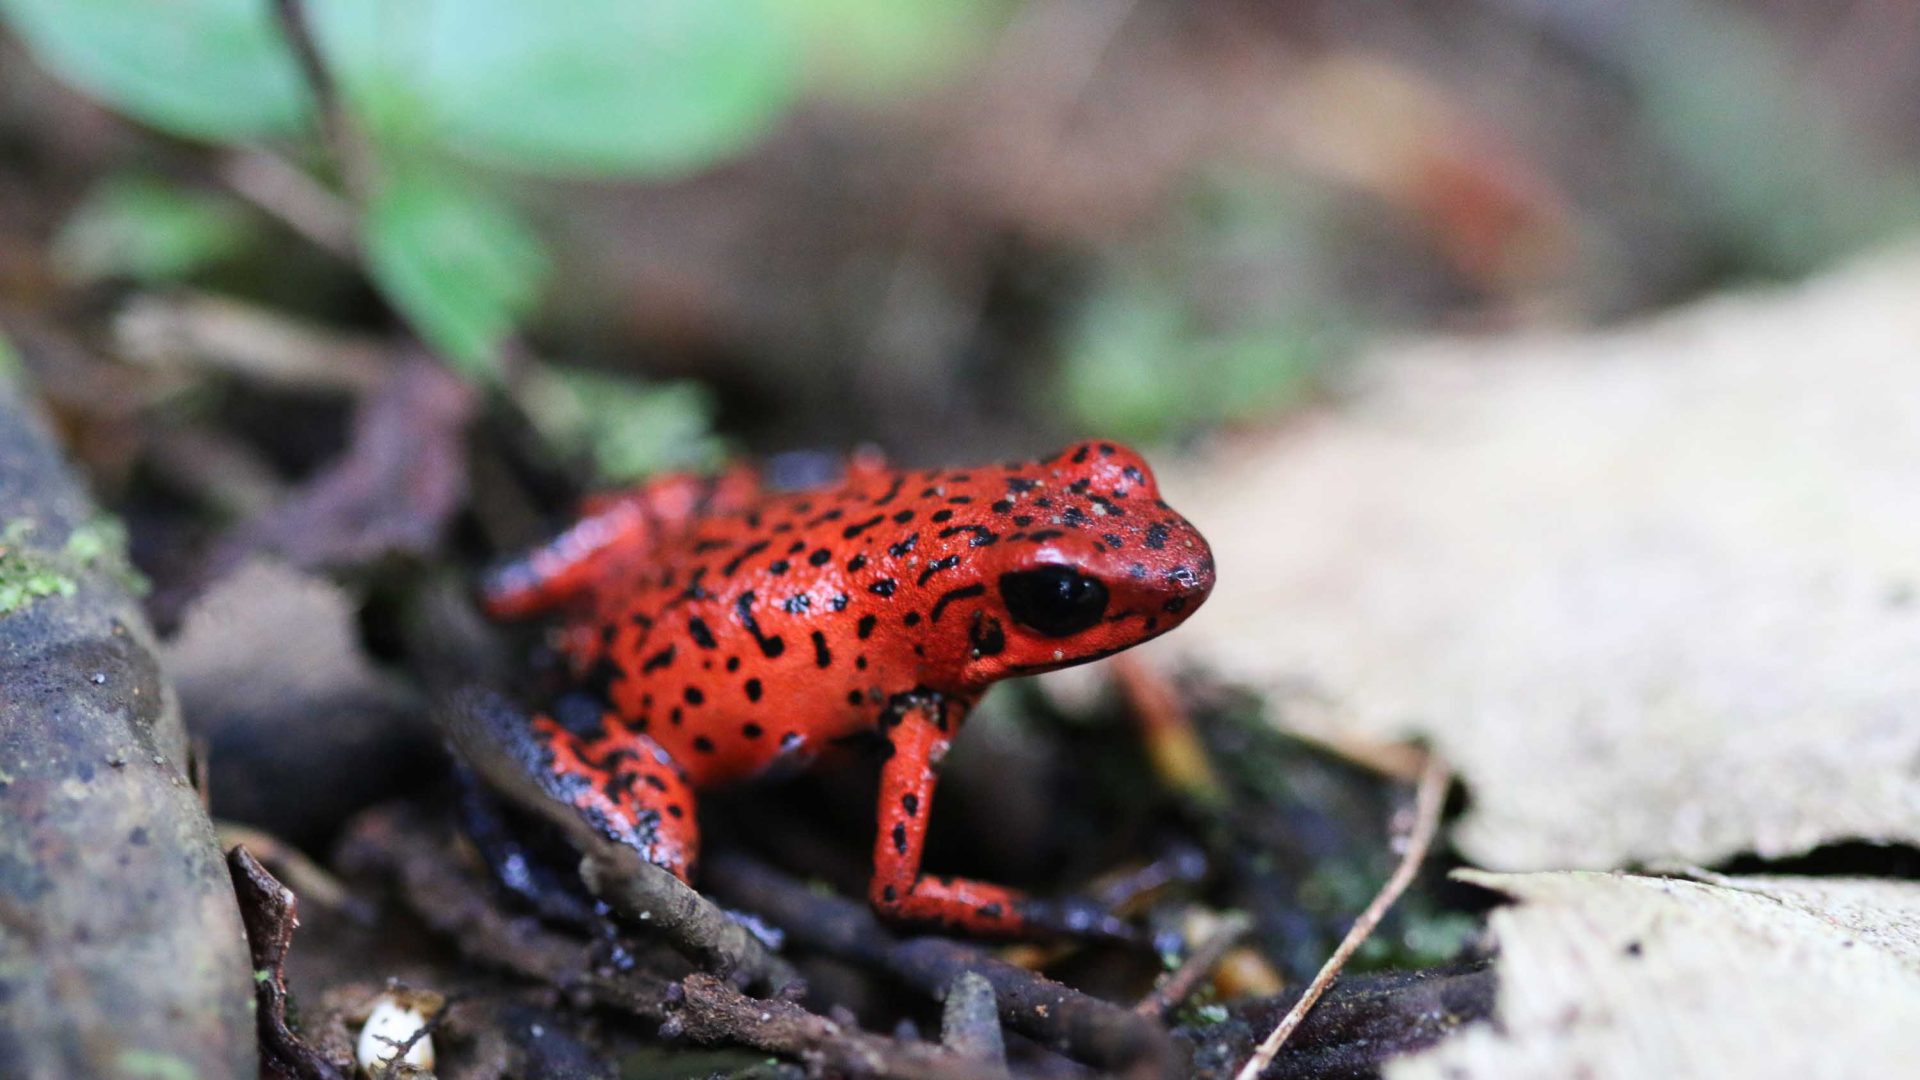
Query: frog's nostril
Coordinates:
[1192,583]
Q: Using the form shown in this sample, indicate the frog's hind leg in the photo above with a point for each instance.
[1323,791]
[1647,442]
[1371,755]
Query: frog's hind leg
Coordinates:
[615,782]
[627,787]
[616,528]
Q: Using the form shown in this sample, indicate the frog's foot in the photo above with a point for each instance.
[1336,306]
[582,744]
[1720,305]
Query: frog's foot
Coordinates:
[524,856]
[615,783]
[1076,917]
[985,910]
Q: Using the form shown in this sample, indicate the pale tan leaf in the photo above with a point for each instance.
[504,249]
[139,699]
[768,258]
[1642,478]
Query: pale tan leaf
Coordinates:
[1652,590]
[1618,977]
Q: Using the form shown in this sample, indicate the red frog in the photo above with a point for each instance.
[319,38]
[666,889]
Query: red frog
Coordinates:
[736,630]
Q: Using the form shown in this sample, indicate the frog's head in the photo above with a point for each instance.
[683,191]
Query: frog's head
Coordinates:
[1090,561]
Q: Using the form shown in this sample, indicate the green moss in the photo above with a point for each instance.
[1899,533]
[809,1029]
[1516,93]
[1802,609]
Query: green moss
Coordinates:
[28,574]
[101,544]
[1202,1015]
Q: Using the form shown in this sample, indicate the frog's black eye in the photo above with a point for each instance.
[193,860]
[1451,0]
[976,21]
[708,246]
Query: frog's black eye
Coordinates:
[1053,600]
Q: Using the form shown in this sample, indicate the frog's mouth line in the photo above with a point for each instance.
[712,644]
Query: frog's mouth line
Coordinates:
[1035,669]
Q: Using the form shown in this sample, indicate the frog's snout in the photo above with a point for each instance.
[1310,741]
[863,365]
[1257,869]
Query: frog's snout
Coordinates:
[1190,580]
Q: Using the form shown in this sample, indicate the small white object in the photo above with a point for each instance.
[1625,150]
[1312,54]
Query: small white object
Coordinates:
[394,1019]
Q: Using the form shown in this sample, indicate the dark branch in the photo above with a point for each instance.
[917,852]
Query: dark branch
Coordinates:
[1085,1028]
[712,1011]
[269,911]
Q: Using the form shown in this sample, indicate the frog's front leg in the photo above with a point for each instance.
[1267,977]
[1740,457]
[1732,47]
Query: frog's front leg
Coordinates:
[919,737]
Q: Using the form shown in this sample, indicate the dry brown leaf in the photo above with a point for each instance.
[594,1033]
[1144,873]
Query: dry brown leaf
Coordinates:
[1618,977]
[1651,590]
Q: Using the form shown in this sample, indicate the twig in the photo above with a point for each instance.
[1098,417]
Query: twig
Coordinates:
[1429,799]
[304,204]
[493,736]
[1393,760]
[1177,987]
[197,330]
[421,861]
[270,912]
[359,171]
[709,1010]
[646,895]
[1363,1022]
[350,157]
[308,879]
[1097,1032]
[455,904]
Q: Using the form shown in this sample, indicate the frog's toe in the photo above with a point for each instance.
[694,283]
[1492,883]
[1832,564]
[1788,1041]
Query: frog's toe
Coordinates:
[1077,917]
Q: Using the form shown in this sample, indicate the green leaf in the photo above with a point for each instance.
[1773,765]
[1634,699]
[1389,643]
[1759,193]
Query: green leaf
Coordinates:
[1220,316]
[150,231]
[1778,166]
[629,428]
[1141,363]
[207,69]
[881,48]
[459,264]
[603,87]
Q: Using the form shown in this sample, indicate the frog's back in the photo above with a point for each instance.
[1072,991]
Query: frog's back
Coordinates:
[741,646]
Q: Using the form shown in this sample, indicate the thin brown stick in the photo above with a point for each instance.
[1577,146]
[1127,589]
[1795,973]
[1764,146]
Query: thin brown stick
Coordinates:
[1180,985]
[336,128]
[192,332]
[1428,801]
[308,879]
[299,201]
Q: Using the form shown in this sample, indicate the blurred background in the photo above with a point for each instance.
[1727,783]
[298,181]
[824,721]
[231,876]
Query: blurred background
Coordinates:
[953,227]
[336,301]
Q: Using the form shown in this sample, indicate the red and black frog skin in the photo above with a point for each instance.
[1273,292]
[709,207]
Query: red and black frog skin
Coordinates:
[736,630]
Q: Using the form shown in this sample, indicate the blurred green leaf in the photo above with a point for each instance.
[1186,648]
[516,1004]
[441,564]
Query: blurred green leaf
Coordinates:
[208,69]
[10,365]
[459,264]
[1141,365]
[879,48]
[149,230]
[1791,183]
[1223,316]
[629,428]
[598,87]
